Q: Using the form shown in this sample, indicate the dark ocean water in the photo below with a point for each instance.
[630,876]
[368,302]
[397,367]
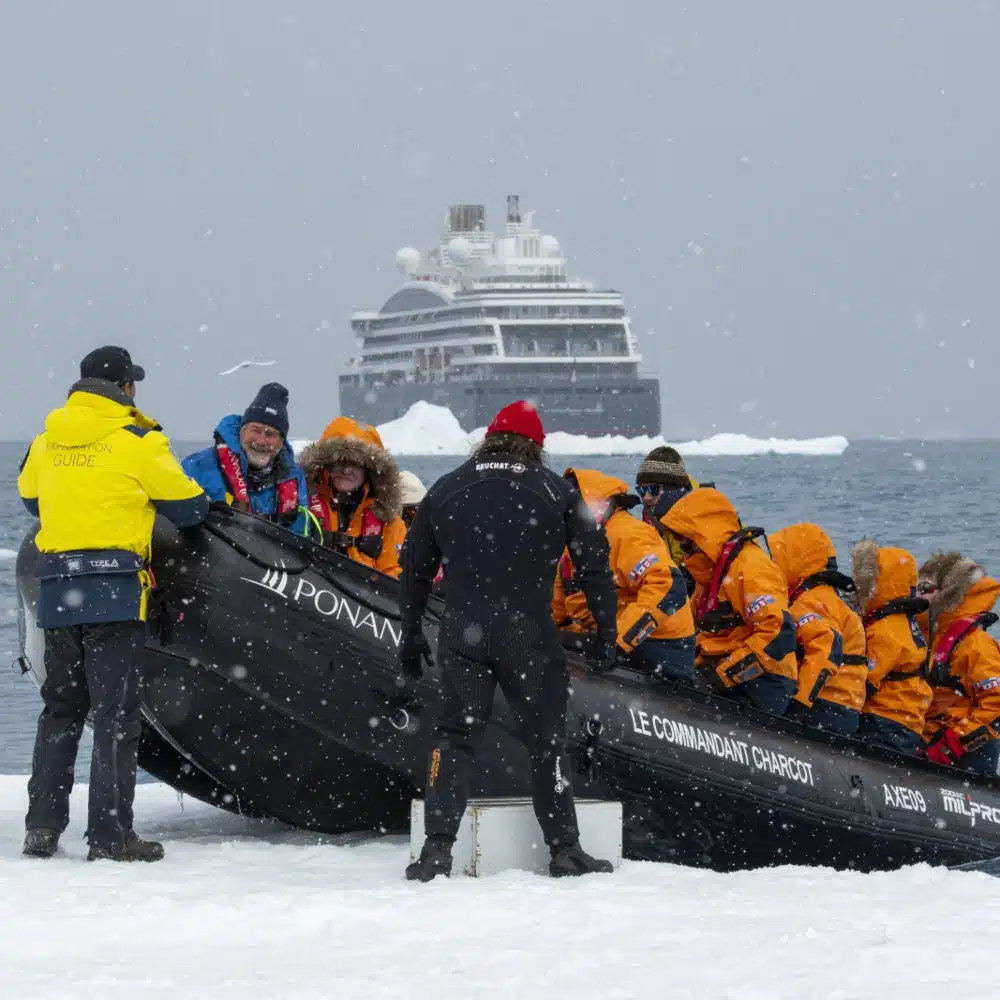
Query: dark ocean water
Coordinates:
[925,497]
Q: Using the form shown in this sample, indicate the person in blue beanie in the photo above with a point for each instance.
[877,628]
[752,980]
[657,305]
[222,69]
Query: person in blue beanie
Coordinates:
[252,466]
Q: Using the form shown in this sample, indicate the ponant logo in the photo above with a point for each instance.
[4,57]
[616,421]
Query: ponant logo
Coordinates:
[275,580]
[329,604]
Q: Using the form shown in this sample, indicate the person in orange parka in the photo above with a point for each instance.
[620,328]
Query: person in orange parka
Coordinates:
[746,633]
[833,662]
[898,694]
[655,624]
[963,722]
[356,494]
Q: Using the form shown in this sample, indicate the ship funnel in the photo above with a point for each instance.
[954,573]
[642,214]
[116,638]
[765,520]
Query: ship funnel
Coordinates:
[513,208]
[467,218]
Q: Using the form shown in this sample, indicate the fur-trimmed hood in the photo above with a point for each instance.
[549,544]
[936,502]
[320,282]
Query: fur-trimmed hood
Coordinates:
[356,445]
[954,583]
[882,574]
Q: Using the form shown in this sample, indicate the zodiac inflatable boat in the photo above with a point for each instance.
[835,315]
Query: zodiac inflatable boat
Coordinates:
[270,688]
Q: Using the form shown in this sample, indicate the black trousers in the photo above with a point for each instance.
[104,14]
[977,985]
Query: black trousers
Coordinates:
[477,652]
[88,667]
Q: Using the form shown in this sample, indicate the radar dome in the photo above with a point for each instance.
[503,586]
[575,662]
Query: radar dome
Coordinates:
[407,260]
[550,246]
[460,251]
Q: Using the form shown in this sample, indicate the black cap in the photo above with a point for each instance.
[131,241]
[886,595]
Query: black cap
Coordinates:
[113,364]
[270,406]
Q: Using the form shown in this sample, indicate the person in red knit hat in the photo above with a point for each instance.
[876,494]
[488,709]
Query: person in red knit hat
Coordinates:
[520,418]
[499,524]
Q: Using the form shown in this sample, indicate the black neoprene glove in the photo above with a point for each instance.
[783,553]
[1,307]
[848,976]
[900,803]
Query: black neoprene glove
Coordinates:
[414,653]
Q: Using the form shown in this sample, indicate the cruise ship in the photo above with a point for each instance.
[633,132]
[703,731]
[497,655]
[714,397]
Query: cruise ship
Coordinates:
[482,320]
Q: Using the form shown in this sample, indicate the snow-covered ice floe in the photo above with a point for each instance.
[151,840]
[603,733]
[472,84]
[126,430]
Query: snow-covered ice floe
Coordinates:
[250,909]
[427,429]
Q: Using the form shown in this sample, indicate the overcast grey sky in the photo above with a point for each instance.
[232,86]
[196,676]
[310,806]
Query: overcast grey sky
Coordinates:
[799,200]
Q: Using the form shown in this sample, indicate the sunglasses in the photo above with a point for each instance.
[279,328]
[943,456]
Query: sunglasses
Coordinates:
[687,547]
[650,490]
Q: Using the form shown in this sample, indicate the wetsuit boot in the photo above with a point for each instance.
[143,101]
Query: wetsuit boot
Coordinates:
[41,843]
[572,859]
[435,859]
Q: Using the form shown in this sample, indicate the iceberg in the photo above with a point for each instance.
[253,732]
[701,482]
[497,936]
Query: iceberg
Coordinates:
[427,429]
[559,443]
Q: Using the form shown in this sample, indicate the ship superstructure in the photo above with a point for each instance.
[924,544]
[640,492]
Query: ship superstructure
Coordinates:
[482,320]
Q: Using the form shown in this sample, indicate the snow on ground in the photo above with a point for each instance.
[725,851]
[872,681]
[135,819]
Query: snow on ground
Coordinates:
[427,429]
[250,910]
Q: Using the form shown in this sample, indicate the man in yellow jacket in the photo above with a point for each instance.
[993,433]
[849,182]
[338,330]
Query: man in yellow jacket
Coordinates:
[96,477]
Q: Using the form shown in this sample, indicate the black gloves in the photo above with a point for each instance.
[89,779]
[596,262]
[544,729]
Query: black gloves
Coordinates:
[414,652]
[605,656]
[601,655]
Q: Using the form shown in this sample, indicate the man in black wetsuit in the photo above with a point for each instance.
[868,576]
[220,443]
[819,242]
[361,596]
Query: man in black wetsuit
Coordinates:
[498,524]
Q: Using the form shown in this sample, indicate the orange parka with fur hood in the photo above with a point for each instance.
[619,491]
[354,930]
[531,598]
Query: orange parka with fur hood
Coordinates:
[371,530]
[886,579]
[965,665]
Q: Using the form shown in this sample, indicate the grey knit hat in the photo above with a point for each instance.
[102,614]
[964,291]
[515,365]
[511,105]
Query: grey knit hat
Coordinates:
[663,465]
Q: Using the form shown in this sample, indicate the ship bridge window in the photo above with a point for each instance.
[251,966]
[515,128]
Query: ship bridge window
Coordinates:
[407,299]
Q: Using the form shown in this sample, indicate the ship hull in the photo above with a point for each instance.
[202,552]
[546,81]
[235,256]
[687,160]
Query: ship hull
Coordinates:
[630,407]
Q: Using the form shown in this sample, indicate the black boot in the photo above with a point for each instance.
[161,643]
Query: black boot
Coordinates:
[41,843]
[435,859]
[573,860]
[134,849]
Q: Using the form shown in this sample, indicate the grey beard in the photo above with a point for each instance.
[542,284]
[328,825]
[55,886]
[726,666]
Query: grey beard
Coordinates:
[258,461]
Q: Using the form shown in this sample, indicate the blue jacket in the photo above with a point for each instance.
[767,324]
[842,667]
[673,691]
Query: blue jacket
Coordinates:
[203,467]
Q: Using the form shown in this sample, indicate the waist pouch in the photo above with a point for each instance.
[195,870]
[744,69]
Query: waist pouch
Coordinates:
[89,562]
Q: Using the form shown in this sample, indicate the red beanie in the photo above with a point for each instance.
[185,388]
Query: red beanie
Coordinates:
[519,418]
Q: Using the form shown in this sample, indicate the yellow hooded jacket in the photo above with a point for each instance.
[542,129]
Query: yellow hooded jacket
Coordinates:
[652,594]
[833,663]
[96,478]
[897,651]
[758,632]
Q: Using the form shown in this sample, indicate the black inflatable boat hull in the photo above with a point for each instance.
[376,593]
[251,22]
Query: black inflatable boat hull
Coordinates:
[270,688]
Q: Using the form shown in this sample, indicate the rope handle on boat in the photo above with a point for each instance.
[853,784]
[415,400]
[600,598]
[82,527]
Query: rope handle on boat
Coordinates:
[592,729]
[400,709]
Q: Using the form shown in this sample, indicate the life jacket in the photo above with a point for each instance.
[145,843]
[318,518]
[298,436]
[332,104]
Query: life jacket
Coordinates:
[711,615]
[369,542]
[232,472]
[911,607]
[841,582]
[945,644]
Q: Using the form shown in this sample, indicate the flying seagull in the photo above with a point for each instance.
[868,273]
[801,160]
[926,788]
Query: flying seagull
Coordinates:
[247,364]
